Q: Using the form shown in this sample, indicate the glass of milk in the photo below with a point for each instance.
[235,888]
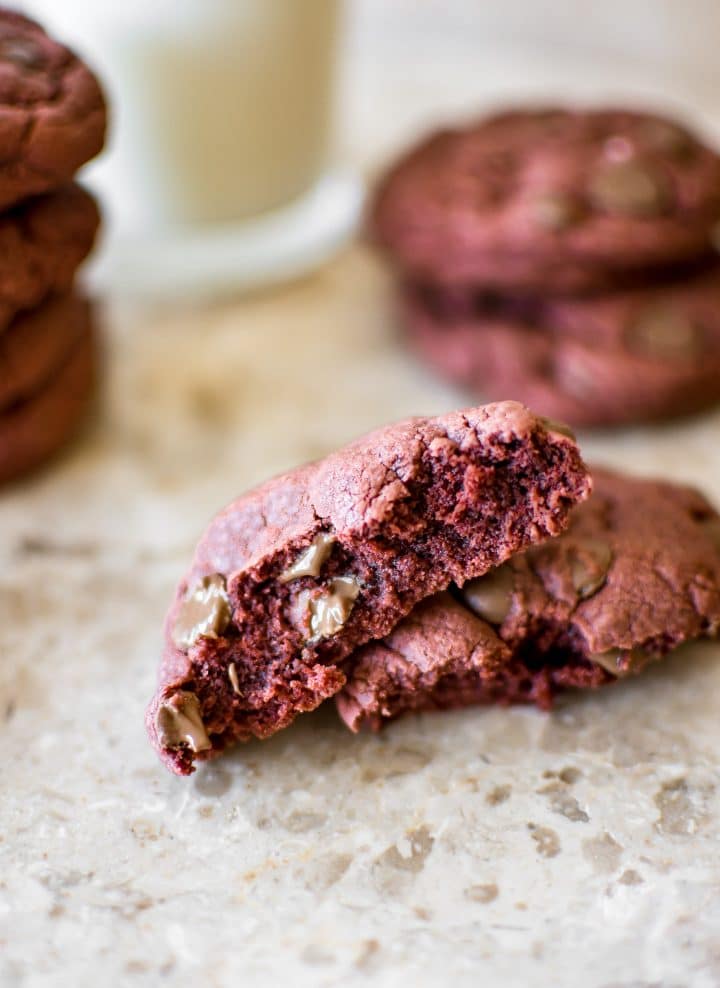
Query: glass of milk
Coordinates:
[221,130]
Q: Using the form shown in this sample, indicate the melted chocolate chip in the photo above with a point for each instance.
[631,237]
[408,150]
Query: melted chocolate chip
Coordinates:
[329,613]
[205,612]
[667,138]
[559,428]
[21,52]
[664,333]
[589,565]
[620,663]
[179,722]
[556,211]
[311,561]
[627,187]
[490,596]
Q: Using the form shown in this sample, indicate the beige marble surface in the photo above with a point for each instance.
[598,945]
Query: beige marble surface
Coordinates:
[485,847]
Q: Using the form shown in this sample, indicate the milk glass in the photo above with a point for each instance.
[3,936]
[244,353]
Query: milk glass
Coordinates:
[221,108]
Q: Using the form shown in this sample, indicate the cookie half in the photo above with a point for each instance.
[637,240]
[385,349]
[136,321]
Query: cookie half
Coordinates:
[52,111]
[294,576]
[635,356]
[636,574]
[33,430]
[549,200]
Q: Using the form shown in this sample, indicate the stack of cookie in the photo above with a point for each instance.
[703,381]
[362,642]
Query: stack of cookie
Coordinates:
[564,259]
[52,120]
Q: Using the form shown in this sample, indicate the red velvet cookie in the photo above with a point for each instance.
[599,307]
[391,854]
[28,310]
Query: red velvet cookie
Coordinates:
[42,243]
[636,574]
[634,356]
[294,576]
[549,200]
[52,111]
[31,431]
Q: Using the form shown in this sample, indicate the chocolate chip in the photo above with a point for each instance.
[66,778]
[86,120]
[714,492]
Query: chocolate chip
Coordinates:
[589,564]
[205,612]
[178,722]
[329,612]
[22,52]
[621,663]
[664,333]
[556,211]
[627,187]
[560,428]
[233,677]
[490,596]
[667,138]
[311,561]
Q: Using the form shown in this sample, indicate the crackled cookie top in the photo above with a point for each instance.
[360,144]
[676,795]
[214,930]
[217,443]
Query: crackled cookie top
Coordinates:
[549,199]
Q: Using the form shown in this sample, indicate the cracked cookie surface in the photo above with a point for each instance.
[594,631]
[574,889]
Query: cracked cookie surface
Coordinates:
[292,577]
[636,574]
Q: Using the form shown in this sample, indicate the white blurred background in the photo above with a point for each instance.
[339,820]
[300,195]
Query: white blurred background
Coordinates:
[410,62]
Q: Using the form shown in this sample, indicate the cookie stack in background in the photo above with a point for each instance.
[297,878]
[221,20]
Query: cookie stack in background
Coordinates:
[52,120]
[563,259]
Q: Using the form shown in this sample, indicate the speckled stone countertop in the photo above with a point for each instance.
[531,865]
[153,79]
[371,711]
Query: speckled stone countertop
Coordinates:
[483,847]
[488,847]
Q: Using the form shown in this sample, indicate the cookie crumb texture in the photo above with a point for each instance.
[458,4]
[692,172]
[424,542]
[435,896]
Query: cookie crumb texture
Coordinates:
[52,111]
[294,576]
[636,574]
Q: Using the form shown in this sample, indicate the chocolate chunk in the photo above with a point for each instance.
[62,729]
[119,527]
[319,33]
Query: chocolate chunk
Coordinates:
[589,565]
[665,333]
[620,663]
[559,428]
[329,613]
[556,211]
[233,677]
[179,722]
[490,597]
[627,187]
[22,52]
[667,138]
[205,612]
[312,560]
